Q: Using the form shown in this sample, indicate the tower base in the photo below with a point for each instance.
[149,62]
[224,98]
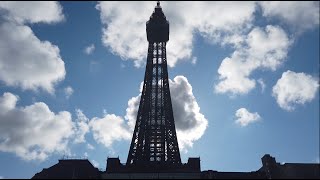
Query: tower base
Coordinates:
[117,170]
[114,166]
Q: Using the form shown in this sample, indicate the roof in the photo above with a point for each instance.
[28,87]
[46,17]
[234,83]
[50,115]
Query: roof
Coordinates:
[69,169]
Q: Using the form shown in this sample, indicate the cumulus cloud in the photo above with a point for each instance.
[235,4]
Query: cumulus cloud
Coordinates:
[300,15]
[89,146]
[213,20]
[32,132]
[190,123]
[108,129]
[26,61]
[132,110]
[82,127]
[294,88]
[262,84]
[68,91]
[33,11]
[244,117]
[234,72]
[88,50]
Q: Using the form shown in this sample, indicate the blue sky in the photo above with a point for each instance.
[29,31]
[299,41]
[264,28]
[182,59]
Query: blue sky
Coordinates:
[244,81]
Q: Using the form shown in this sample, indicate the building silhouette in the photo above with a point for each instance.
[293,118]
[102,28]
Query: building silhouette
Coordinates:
[154,151]
[70,169]
[83,169]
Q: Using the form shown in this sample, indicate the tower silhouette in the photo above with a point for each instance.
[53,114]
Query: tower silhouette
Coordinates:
[154,142]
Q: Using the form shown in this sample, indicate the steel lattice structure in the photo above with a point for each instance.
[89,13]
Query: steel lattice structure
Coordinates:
[154,139]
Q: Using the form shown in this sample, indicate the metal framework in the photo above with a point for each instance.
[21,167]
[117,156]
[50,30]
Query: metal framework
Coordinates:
[154,140]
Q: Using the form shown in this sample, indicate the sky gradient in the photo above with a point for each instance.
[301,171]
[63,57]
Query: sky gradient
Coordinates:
[244,81]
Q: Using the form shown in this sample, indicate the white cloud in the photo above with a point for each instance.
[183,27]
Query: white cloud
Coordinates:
[33,11]
[213,20]
[88,50]
[89,146]
[293,89]
[82,127]
[244,117]
[85,154]
[190,123]
[105,130]
[32,132]
[194,60]
[104,112]
[300,15]
[68,91]
[95,163]
[108,129]
[234,72]
[236,40]
[25,61]
[132,110]
[262,84]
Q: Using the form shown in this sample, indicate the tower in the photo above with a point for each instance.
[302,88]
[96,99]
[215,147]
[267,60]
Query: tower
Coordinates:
[154,147]
[154,143]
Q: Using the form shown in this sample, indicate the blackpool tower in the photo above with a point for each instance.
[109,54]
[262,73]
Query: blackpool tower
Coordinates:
[154,145]
[154,140]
